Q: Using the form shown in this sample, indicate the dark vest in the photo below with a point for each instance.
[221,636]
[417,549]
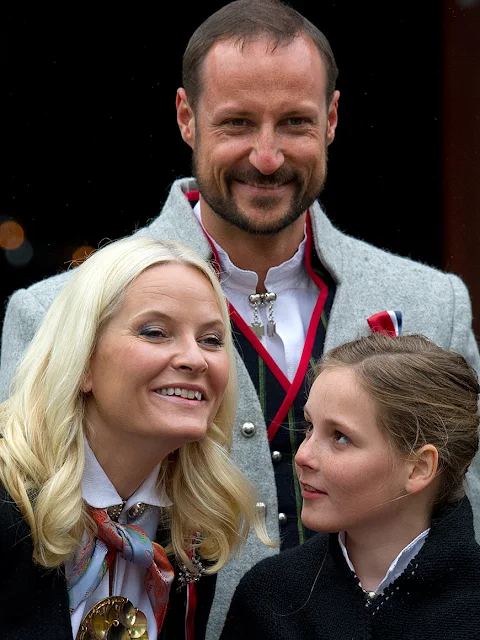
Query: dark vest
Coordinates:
[282,401]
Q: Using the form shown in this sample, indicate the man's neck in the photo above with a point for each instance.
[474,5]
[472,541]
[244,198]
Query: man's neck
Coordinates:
[257,253]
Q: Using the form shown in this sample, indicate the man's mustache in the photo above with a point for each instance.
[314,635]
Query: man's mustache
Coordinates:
[281,176]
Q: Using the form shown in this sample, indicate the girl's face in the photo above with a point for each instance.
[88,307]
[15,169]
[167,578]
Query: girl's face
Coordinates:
[349,474]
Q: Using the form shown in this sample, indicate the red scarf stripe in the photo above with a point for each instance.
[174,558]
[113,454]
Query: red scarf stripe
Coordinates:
[190,611]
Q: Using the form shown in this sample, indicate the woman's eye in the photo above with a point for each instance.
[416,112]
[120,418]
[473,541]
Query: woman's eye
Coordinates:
[213,341]
[152,332]
[341,438]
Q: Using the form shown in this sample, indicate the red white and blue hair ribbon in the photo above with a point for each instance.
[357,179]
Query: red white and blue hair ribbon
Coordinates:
[389,322]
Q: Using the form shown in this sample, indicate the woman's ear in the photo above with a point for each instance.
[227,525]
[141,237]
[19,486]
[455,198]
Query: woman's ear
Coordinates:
[422,469]
[86,384]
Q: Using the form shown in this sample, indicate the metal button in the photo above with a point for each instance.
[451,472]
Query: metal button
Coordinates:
[114,511]
[282,518]
[136,510]
[261,508]
[248,429]
[276,457]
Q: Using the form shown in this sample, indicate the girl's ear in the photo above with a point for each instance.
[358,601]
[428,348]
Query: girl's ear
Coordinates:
[422,469]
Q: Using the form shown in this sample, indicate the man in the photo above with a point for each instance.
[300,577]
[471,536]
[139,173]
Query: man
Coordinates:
[258,107]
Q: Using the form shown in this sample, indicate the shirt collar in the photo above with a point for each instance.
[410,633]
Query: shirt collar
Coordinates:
[99,492]
[400,563]
[279,278]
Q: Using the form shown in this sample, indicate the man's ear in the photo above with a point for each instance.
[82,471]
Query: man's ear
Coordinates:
[185,118]
[332,117]
[422,469]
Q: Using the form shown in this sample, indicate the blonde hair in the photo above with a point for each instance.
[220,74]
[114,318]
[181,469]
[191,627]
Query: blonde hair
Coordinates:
[42,423]
[422,394]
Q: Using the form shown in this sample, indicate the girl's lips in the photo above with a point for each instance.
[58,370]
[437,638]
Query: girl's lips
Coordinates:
[310,492]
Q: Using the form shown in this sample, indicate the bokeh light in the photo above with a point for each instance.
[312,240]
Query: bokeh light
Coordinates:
[79,255]
[11,235]
[21,256]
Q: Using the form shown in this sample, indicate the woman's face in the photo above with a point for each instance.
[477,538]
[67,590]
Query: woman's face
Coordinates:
[349,474]
[160,368]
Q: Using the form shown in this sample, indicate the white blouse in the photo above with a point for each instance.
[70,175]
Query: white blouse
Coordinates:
[99,492]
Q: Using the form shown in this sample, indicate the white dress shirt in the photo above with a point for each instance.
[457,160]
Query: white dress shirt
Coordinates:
[297,296]
[398,566]
[99,492]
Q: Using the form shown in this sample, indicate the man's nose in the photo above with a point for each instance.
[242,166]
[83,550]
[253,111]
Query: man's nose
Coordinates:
[266,154]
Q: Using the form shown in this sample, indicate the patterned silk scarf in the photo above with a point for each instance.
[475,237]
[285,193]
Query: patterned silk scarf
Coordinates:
[134,545]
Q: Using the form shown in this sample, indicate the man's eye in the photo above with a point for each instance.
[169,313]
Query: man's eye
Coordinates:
[238,122]
[297,121]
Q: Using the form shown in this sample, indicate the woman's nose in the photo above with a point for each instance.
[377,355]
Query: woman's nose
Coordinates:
[190,356]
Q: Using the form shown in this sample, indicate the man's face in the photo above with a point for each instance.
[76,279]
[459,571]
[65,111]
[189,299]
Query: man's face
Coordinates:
[260,133]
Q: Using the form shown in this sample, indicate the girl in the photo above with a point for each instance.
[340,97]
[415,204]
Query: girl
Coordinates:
[392,426]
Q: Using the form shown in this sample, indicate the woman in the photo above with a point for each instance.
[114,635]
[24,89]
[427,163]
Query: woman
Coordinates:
[391,428]
[115,439]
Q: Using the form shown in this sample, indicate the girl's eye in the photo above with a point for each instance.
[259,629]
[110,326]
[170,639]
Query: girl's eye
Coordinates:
[307,427]
[340,438]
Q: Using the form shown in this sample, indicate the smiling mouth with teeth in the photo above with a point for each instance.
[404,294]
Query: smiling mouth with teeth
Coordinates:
[189,394]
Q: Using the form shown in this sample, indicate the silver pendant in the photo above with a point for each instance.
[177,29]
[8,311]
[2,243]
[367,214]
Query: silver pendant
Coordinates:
[255,300]
[271,333]
[258,329]
[270,298]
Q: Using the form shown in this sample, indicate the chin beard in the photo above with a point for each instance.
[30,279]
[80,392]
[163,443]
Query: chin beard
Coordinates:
[226,208]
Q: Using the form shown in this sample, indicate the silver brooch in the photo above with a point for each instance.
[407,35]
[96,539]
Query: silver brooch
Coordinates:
[257,300]
[185,576]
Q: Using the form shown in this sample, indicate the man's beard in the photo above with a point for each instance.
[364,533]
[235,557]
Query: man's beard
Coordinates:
[226,208]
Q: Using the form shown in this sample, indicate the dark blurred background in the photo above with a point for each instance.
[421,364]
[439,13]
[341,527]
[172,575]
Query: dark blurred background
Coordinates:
[90,143]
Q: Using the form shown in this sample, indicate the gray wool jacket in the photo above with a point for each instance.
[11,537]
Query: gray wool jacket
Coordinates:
[368,280]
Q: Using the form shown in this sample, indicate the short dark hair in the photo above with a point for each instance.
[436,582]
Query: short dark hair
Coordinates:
[245,20]
[422,394]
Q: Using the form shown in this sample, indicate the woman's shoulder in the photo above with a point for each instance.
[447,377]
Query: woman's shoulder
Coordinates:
[13,528]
